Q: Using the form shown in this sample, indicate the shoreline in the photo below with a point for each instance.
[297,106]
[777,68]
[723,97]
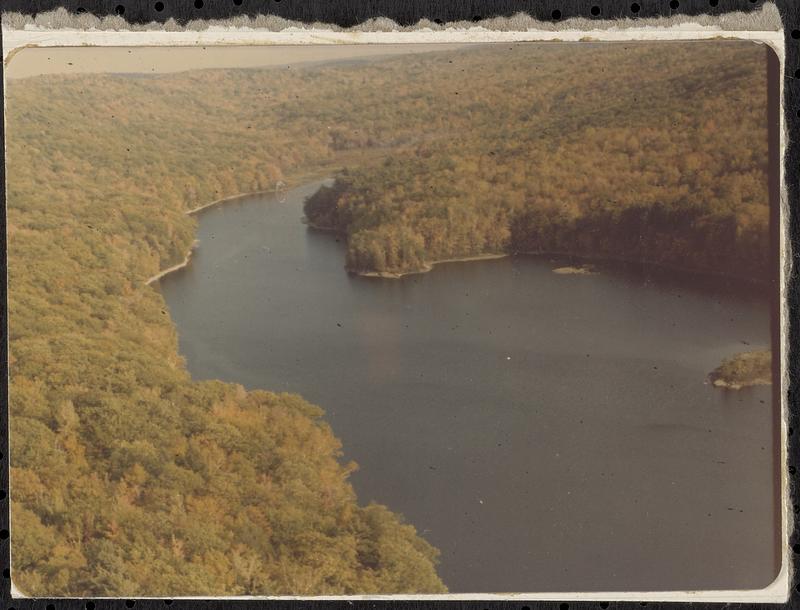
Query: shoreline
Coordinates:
[743,370]
[316,227]
[394,275]
[584,258]
[428,266]
[734,386]
[205,206]
[288,186]
[186,260]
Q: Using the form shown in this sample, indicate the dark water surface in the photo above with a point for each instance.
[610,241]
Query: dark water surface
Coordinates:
[546,432]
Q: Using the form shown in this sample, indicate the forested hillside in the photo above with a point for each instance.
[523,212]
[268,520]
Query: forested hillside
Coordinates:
[127,478]
[658,156]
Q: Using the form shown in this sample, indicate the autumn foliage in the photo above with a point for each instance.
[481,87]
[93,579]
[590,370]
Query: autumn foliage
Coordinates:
[644,153]
[127,477]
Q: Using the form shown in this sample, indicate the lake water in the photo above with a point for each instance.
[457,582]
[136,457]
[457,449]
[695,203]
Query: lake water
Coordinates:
[546,432]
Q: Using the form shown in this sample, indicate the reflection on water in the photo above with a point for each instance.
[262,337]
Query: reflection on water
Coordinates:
[546,432]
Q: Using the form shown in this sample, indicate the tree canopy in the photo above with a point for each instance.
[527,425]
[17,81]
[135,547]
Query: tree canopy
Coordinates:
[653,154]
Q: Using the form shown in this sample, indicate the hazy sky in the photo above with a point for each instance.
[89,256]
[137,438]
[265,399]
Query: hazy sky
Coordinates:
[58,60]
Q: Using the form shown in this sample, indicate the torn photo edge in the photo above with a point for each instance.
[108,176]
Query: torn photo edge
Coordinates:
[60,28]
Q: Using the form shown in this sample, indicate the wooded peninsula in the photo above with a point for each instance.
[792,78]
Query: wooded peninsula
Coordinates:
[647,165]
[127,477]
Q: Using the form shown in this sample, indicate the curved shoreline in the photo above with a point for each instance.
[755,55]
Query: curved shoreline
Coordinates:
[428,266]
[317,227]
[289,185]
[205,206]
[582,258]
[588,260]
[187,259]
[181,265]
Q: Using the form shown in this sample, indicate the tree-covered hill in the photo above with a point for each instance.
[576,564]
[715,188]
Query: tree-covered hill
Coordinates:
[654,154]
[128,478]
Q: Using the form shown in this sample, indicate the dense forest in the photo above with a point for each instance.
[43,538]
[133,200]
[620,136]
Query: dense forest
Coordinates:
[128,478]
[657,157]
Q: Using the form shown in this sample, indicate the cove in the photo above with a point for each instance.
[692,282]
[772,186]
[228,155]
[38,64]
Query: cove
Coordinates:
[546,432]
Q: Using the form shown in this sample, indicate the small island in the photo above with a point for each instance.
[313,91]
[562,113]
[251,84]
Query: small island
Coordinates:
[743,370]
[581,270]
